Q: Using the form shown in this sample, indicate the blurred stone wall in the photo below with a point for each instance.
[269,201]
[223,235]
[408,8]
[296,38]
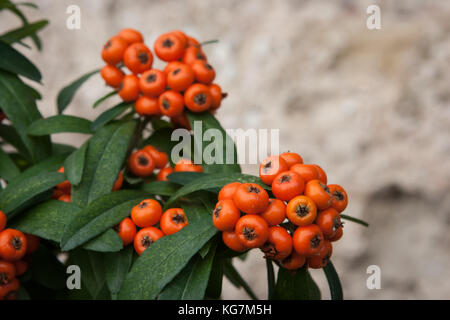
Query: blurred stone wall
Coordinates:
[370,106]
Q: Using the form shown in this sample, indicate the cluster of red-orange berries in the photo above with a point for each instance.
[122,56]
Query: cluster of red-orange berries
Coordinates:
[249,219]
[186,81]
[147,215]
[144,161]
[15,248]
[63,190]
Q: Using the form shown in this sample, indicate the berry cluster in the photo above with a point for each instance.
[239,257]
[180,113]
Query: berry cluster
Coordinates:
[249,219]
[144,161]
[147,215]
[15,248]
[186,80]
[62,191]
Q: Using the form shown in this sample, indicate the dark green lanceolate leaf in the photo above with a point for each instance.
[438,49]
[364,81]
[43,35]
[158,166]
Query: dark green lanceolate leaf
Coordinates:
[109,115]
[65,96]
[10,135]
[222,149]
[198,280]
[51,164]
[61,148]
[158,123]
[108,241]
[299,286]
[13,61]
[92,270]
[166,258]
[58,124]
[105,156]
[16,194]
[333,282]
[185,177]
[105,97]
[235,278]
[47,270]
[214,288]
[8,169]
[270,279]
[46,220]
[19,105]
[162,188]
[25,31]
[100,215]
[210,181]
[117,265]
[191,282]
[74,164]
[353,219]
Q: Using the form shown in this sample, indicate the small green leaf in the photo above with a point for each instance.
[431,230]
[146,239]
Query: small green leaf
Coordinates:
[105,156]
[210,181]
[65,96]
[74,164]
[104,98]
[333,282]
[10,135]
[185,177]
[208,121]
[16,194]
[298,286]
[166,258]
[270,279]
[108,241]
[117,265]
[58,124]
[162,188]
[61,148]
[46,220]
[103,213]
[353,219]
[214,289]
[13,61]
[23,32]
[109,115]
[174,289]
[235,278]
[8,169]
[51,164]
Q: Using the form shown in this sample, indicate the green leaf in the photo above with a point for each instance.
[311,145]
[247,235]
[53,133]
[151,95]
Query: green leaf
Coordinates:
[47,270]
[109,115]
[13,61]
[166,258]
[233,275]
[356,220]
[270,279]
[174,290]
[214,289]
[12,7]
[17,101]
[58,124]
[74,164]
[210,181]
[185,177]
[105,156]
[298,286]
[16,194]
[108,241]
[61,148]
[92,270]
[46,220]
[10,135]
[198,280]
[105,97]
[333,282]
[65,96]
[23,32]
[103,213]
[158,123]
[117,265]
[208,121]
[8,169]
[51,164]
[162,188]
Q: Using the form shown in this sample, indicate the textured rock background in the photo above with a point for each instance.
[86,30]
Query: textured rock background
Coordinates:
[371,107]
